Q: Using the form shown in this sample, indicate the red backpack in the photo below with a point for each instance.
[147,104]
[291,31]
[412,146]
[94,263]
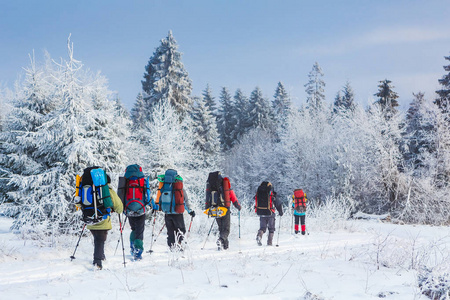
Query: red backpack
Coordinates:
[299,200]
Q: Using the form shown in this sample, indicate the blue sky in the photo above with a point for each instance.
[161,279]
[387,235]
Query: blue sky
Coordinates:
[238,43]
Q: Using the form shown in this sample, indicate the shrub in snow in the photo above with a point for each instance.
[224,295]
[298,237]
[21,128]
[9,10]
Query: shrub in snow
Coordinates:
[329,214]
[435,286]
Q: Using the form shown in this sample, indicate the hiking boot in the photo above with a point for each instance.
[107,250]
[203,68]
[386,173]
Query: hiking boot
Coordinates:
[303,232]
[219,244]
[296,232]
[137,255]
[259,237]
[270,239]
[98,265]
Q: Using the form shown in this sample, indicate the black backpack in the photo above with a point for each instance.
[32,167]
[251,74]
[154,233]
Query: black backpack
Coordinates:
[214,190]
[263,199]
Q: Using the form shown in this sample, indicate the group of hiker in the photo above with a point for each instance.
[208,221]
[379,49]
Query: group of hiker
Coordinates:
[97,200]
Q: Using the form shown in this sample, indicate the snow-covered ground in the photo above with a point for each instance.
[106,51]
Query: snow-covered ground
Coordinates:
[359,259]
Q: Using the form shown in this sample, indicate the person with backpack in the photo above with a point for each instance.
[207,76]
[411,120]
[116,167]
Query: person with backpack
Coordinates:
[97,201]
[173,200]
[219,195]
[134,191]
[299,206]
[265,204]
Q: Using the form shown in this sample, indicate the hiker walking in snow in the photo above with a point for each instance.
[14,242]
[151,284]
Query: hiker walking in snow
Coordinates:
[219,197]
[97,200]
[265,204]
[299,206]
[134,191]
[173,200]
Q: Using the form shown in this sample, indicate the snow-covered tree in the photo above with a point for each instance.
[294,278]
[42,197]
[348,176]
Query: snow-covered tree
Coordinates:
[166,79]
[241,110]
[260,113]
[206,137]
[140,113]
[315,88]
[387,98]
[209,99]
[444,93]
[281,106]
[78,133]
[346,100]
[225,120]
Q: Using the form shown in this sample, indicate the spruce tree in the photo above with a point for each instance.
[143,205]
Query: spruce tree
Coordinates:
[281,106]
[139,113]
[205,133]
[165,78]
[209,99]
[225,120]
[345,101]
[315,89]
[241,110]
[387,98]
[260,114]
[444,94]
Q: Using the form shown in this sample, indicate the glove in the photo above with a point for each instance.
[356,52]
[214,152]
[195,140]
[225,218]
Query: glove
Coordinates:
[280,213]
[192,213]
[239,207]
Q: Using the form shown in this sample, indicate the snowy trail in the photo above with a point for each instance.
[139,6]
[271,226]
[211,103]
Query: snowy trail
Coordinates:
[339,264]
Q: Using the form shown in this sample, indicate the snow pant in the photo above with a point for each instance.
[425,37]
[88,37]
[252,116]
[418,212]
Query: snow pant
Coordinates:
[224,229]
[266,222]
[137,225]
[99,245]
[175,228]
[300,219]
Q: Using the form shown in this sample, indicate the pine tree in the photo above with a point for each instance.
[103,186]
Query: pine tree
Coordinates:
[205,133]
[225,120]
[315,89]
[241,110]
[79,133]
[345,101]
[33,101]
[281,105]
[139,112]
[387,98]
[166,79]
[209,99]
[260,114]
[444,94]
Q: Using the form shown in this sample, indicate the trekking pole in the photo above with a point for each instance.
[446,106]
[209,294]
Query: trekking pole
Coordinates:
[239,222]
[118,240]
[121,237]
[151,245]
[279,228]
[153,234]
[292,222]
[189,230]
[73,255]
[208,233]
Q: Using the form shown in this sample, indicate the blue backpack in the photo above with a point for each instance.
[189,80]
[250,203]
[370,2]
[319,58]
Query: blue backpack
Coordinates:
[170,197]
[95,199]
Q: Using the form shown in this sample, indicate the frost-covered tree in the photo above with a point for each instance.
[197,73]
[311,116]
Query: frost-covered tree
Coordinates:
[166,79]
[387,98]
[419,132]
[139,113]
[444,93]
[31,102]
[165,143]
[206,137]
[209,99]
[346,100]
[281,106]
[260,113]
[78,133]
[315,88]
[241,110]
[225,120]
